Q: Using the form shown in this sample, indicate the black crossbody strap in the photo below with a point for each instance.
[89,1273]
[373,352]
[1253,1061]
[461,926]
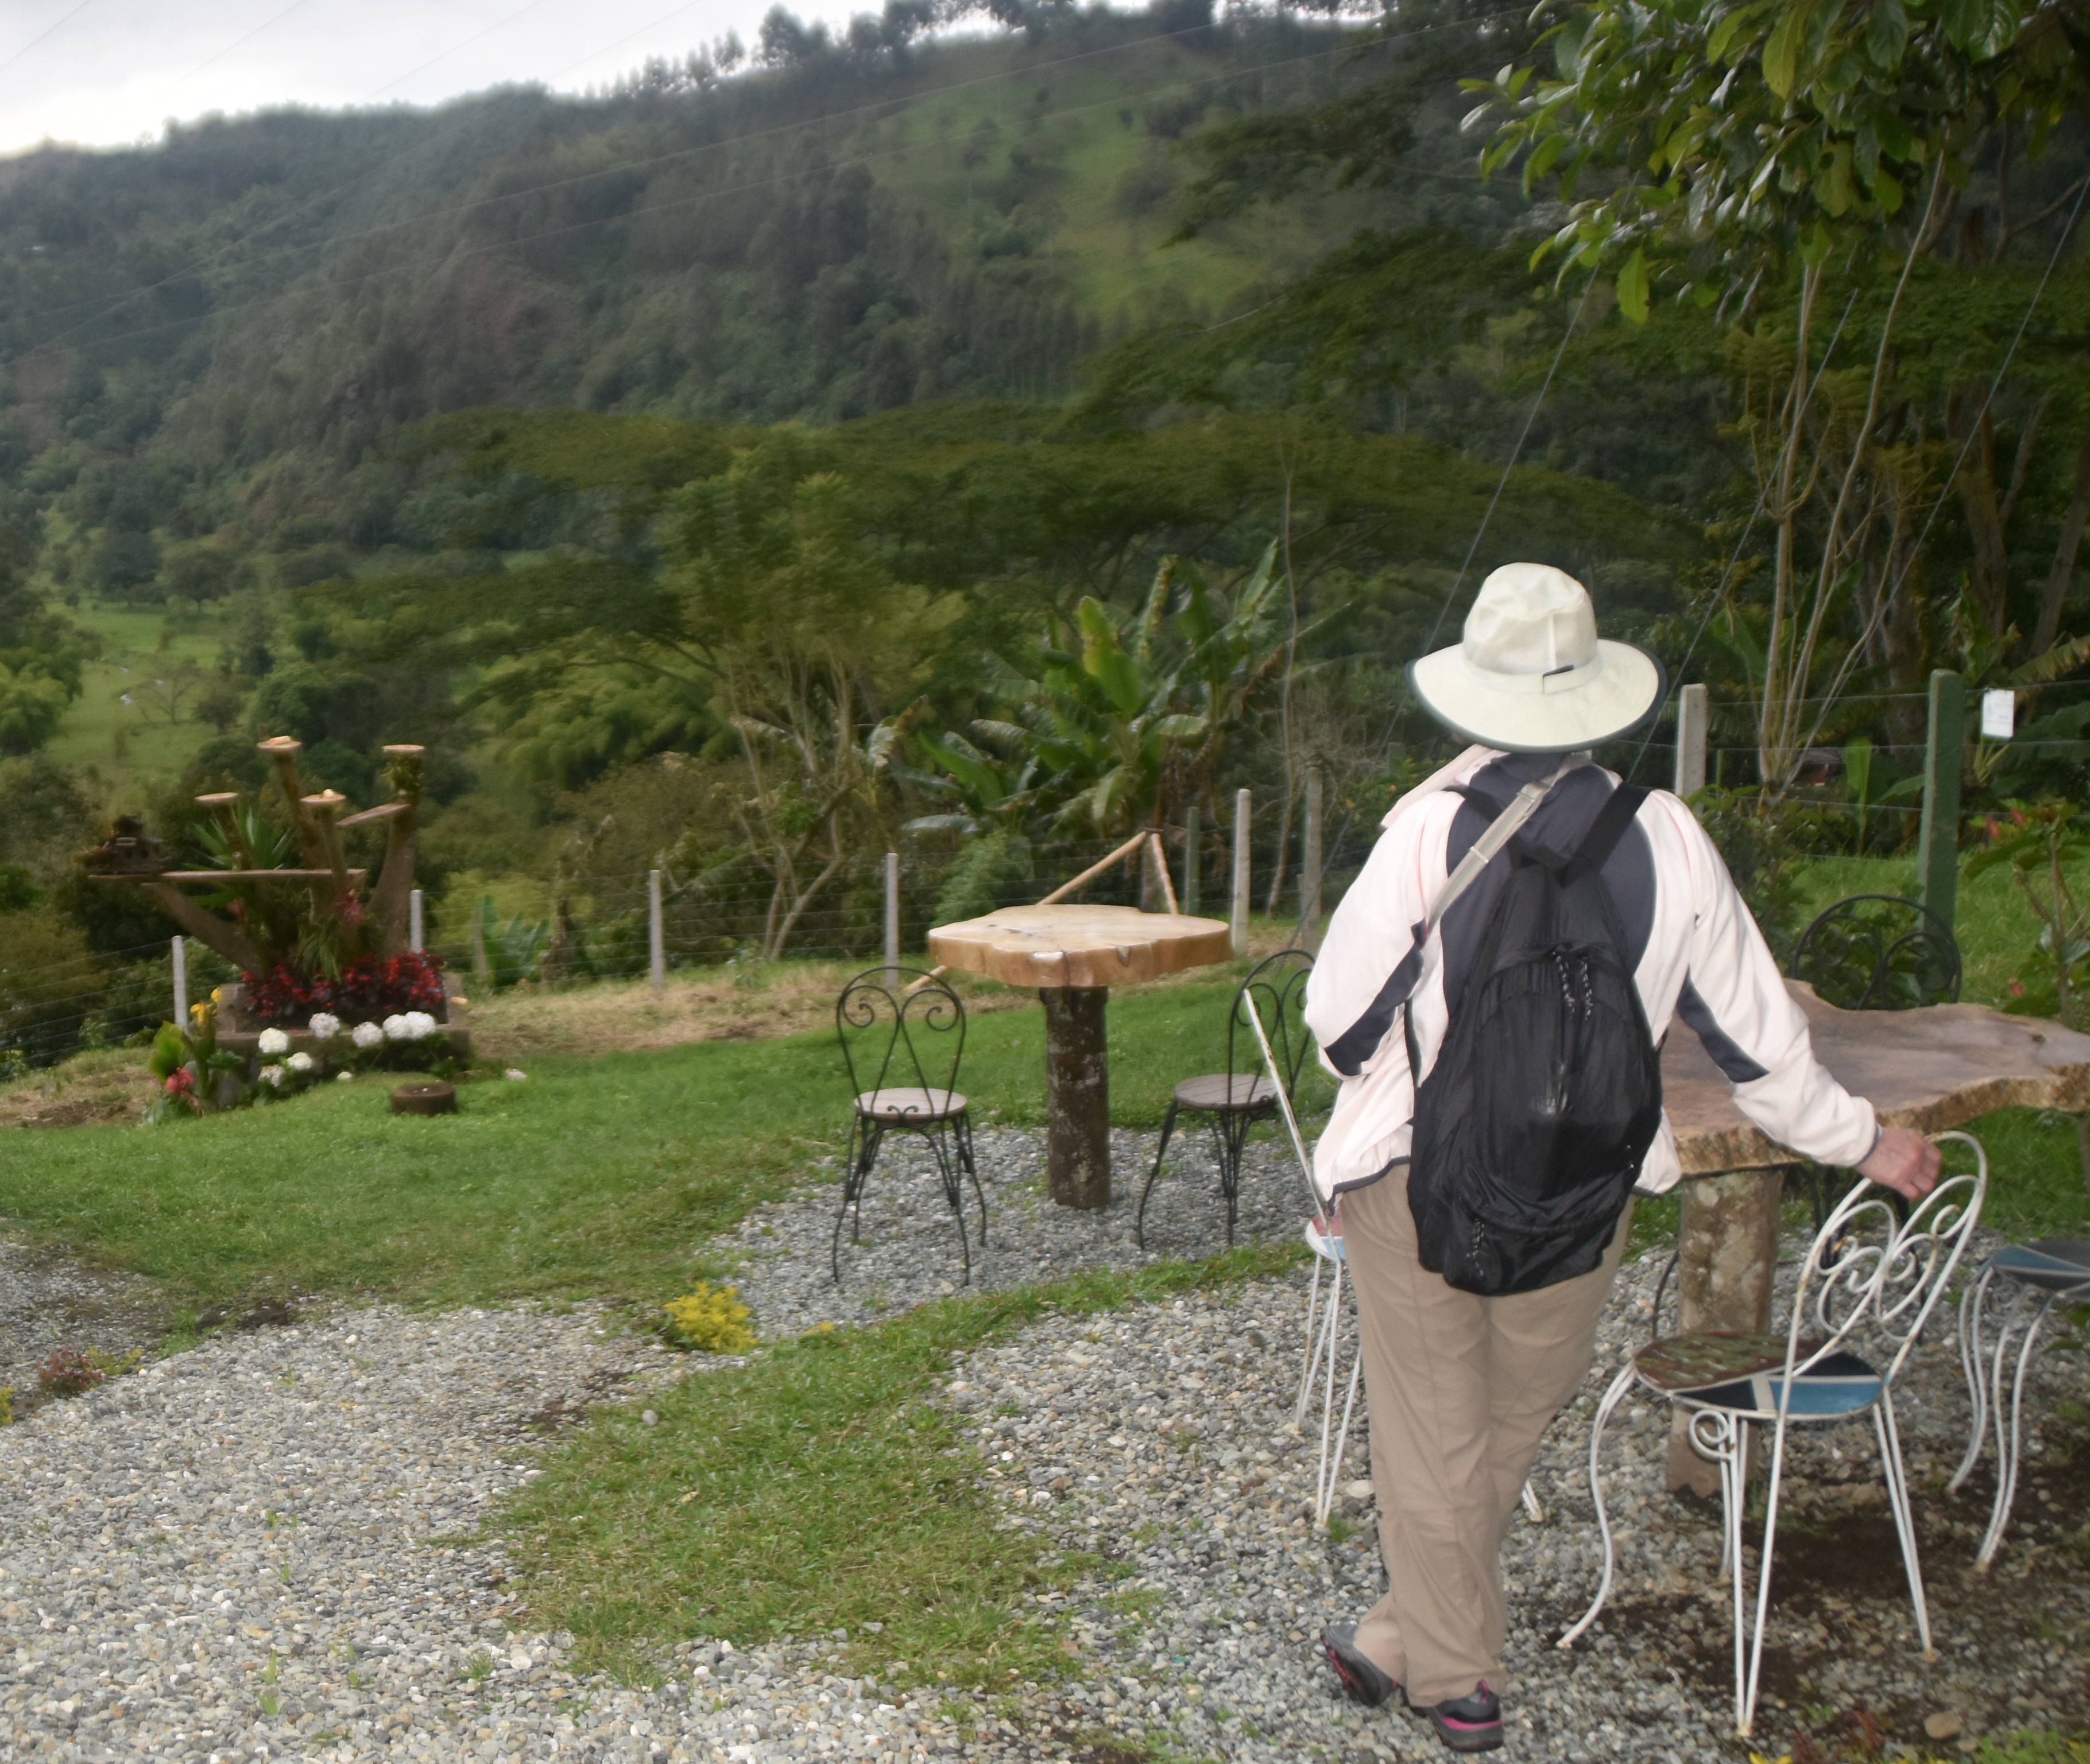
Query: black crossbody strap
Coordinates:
[1605,832]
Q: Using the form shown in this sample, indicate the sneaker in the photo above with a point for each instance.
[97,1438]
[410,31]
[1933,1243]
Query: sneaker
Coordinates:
[1362,1681]
[1468,1723]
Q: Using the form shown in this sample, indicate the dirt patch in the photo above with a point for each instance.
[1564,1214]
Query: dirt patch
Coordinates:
[1839,1600]
[89,1090]
[714,1004]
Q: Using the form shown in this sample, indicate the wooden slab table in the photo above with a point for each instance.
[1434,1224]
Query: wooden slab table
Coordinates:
[1072,955]
[1930,1069]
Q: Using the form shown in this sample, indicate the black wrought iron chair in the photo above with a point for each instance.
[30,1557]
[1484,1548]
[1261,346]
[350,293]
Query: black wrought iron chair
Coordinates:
[1235,1100]
[1879,952]
[903,1033]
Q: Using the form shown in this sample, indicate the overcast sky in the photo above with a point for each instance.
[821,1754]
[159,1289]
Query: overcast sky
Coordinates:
[107,72]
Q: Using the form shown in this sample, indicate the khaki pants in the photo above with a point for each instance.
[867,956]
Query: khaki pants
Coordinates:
[1459,1390]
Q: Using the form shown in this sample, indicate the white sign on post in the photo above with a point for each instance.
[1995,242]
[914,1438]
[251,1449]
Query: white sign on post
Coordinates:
[1999,715]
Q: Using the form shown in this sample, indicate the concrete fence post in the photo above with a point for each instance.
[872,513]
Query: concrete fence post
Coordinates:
[1193,830]
[656,941]
[891,918]
[1240,903]
[1938,844]
[416,929]
[1692,714]
[181,983]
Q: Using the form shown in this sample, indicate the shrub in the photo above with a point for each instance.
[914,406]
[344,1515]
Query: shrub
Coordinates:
[710,1320]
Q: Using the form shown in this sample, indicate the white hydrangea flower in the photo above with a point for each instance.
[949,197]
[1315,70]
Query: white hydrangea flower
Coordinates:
[274,1041]
[325,1025]
[395,1028]
[420,1025]
[273,1077]
[367,1036]
[300,1062]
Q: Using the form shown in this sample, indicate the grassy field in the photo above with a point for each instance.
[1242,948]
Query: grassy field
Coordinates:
[596,1176]
[150,739]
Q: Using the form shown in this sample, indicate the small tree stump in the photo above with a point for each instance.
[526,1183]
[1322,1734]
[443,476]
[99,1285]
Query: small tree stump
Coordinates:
[428,1098]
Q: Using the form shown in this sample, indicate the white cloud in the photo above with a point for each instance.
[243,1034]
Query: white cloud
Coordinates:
[111,72]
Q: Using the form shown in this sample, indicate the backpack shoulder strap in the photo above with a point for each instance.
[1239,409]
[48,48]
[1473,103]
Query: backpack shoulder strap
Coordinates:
[1605,832]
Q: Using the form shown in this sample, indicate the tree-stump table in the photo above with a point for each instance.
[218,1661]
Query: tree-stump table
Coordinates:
[1074,955]
[1937,1067]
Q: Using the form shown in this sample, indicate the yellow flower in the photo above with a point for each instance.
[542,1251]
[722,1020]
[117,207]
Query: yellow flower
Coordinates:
[711,1319]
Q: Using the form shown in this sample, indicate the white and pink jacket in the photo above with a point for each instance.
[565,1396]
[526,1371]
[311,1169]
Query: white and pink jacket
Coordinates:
[1697,954]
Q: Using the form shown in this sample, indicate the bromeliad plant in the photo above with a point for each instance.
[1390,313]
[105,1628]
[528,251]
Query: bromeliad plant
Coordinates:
[196,1076]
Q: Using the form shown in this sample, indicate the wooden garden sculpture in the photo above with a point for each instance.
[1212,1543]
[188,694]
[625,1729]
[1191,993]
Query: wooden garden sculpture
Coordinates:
[273,915]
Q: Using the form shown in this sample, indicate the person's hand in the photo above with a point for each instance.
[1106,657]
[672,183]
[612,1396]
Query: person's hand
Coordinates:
[1903,1161]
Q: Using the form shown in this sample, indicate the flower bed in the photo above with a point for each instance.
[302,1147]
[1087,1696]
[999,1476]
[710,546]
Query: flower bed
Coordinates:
[404,1040]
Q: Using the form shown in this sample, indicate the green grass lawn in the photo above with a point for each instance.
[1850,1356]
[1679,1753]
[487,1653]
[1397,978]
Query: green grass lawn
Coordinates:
[596,1176]
[815,1487]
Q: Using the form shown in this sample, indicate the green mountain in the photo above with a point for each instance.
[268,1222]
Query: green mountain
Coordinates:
[836,233]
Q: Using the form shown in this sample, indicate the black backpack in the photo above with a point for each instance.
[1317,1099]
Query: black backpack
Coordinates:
[1530,1129]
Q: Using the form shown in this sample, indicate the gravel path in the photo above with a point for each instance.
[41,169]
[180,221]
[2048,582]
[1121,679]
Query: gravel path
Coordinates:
[261,1547]
[908,1251]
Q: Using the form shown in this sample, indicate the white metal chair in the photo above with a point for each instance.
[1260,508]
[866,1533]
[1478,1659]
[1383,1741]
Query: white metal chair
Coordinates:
[1324,1237]
[2052,1272]
[1868,1277]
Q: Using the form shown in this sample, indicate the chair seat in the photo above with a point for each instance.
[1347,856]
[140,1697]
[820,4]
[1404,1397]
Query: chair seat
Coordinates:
[910,1104]
[2053,1264]
[1221,1094]
[1744,1374]
[1328,1245]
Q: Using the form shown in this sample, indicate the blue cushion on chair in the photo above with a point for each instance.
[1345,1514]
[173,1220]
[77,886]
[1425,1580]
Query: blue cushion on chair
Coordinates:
[1840,1384]
[2053,1264]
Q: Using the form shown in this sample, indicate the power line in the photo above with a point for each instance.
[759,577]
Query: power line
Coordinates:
[1501,483]
[47,32]
[274,18]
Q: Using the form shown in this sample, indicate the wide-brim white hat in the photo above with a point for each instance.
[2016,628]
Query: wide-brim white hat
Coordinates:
[1531,675]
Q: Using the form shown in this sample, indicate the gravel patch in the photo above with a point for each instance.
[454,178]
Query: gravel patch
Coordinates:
[1164,1439]
[908,1252]
[267,1546]
[46,1304]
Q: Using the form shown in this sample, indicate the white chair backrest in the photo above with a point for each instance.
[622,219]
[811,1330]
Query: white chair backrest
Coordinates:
[1870,1273]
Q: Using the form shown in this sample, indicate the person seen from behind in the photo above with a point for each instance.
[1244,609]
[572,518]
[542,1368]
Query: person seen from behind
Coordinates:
[1524,934]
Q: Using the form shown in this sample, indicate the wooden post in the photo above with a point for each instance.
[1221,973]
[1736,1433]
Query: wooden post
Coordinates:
[1193,830]
[656,942]
[181,984]
[891,918]
[1938,844]
[1727,1238]
[1692,714]
[1077,1102]
[415,928]
[1239,910]
[1310,865]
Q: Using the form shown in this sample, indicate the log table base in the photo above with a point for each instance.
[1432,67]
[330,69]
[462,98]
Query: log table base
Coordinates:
[1077,1096]
[1073,955]
[1727,1233]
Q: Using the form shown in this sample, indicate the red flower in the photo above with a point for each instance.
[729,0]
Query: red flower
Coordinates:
[180,1081]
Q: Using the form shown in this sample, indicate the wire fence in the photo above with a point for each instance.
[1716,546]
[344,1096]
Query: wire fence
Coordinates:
[593,928]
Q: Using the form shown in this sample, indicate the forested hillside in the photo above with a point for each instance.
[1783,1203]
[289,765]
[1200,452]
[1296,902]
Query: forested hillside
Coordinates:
[983,433]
